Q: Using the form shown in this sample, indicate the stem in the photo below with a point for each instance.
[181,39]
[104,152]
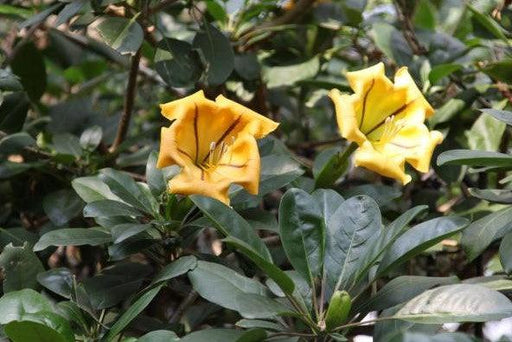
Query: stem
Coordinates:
[128,102]
[187,301]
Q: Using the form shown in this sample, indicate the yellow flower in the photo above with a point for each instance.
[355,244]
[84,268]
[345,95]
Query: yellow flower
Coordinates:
[215,144]
[386,120]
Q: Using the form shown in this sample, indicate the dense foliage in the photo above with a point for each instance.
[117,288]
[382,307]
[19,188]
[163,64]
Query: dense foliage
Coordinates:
[107,234]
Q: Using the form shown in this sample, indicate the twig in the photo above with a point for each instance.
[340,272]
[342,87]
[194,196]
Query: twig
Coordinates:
[128,102]
[187,301]
[408,31]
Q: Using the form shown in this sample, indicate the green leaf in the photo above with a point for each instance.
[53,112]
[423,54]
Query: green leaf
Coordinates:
[155,176]
[281,76]
[130,191]
[392,42]
[485,134]
[420,238]
[9,81]
[275,273]
[402,289]
[121,34]
[454,107]
[159,336]
[506,253]
[28,65]
[41,326]
[115,284]
[442,70]
[257,323]
[474,158]
[17,237]
[58,280]
[20,268]
[175,269]
[334,167]
[351,233]
[67,144]
[133,311]
[338,310]
[15,142]
[425,15]
[329,201]
[72,237]
[227,288]
[14,305]
[302,231]
[13,112]
[502,115]
[92,189]
[482,232]
[248,66]
[213,335]
[41,16]
[123,231]
[216,10]
[61,206]
[456,303]
[503,196]
[216,54]
[501,70]
[175,63]
[230,223]
[71,9]
[490,25]
[91,138]
[109,208]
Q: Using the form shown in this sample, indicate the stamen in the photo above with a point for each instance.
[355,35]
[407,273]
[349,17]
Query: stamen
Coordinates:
[212,152]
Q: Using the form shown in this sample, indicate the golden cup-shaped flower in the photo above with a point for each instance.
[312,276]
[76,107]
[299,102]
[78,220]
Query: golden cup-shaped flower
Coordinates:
[386,120]
[215,144]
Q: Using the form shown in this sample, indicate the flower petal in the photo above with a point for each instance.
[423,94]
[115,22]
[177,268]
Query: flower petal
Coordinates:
[256,124]
[179,108]
[413,95]
[346,116]
[376,98]
[383,162]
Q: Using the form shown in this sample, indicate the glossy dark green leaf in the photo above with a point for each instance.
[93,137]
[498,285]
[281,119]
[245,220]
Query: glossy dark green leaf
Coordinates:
[41,16]
[121,34]
[123,231]
[133,311]
[275,273]
[175,269]
[115,284]
[281,76]
[41,326]
[13,112]
[248,66]
[486,133]
[302,231]
[28,64]
[482,232]
[488,22]
[503,196]
[454,106]
[334,167]
[159,336]
[474,158]
[391,42]
[14,305]
[506,253]
[9,81]
[351,233]
[20,267]
[456,303]
[258,323]
[17,236]
[133,193]
[58,280]
[230,223]
[420,238]
[62,205]
[443,70]
[500,70]
[15,142]
[216,10]
[329,201]
[92,189]
[176,63]
[402,289]
[109,208]
[227,288]
[72,237]
[71,9]
[216,54]
[213,335]
[502,115]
